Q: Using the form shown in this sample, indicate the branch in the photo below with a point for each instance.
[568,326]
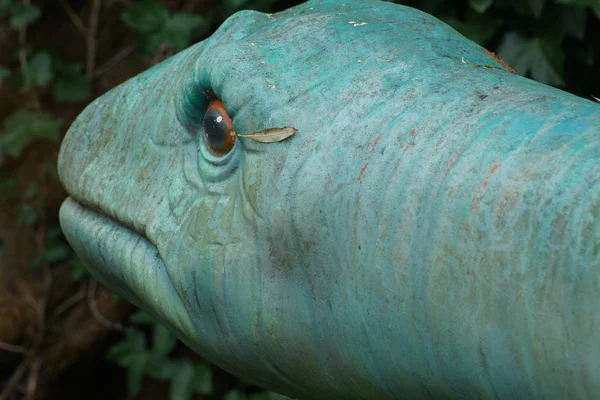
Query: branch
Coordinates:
[74,18]
[91,39]
[114,60]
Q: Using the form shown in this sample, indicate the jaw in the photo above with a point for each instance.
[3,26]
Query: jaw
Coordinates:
[124,261]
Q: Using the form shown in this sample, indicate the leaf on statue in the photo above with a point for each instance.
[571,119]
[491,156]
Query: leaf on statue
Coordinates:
[23,127]
[23,15]
[4,73]
[38,72]
[145,16]
[480,6]
[177,32]
[182,381]
[271,135]
[71,84]
[543,60]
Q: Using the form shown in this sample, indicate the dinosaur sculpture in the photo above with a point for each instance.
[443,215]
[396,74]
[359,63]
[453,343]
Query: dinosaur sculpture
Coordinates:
[431,230]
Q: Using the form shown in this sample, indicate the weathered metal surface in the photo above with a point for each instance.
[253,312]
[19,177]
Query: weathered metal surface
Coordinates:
[430,231]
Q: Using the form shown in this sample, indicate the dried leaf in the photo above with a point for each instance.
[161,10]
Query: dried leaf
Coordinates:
[271,135]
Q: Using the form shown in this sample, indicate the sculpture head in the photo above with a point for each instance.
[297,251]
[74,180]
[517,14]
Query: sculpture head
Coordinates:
[394,245]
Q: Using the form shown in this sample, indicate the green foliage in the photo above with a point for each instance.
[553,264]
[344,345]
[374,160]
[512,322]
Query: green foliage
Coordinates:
[4,73]
[55,248]
[24,127]
[141,359]
[155,360]
[22,15]
[538,38]
[38,72]
[155,26]
[70,84]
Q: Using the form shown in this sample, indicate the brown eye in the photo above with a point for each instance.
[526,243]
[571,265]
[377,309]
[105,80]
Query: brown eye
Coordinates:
[218,128]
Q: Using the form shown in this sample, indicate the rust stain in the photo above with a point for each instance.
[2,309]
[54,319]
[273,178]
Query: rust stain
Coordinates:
[500,61]
[479,194]
[362,171]
[412,132]
[401,146]
[375,142]
[316,148]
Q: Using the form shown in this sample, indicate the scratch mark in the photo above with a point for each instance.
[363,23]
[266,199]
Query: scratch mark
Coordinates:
[479,194]
[375,142]
[362,171]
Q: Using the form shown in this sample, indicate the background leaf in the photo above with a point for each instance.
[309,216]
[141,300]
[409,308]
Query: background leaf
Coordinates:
[23,15]
[24,127]
[38,72]
[145,16]
[543,60]
[71,85]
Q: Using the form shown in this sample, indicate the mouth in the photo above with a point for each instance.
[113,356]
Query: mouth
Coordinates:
[118,257]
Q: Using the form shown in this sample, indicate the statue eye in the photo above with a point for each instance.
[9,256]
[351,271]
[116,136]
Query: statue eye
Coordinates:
[218,128]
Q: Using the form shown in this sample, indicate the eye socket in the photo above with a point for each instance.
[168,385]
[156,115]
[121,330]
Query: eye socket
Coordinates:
[218,128]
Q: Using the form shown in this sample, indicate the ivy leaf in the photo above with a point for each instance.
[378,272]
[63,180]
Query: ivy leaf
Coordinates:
[594,4]
[202,382]
[23,127]
[178,30]
[4,73]
[542,59]
[163,341]
[480,6]
[78,270]
[145,16]
[181,384]
[234,395]
[38,72]
[5,5]
[131,353]
[23,15]
[149,42]
[478,27]
[26,215]
[537,7]
[141,318]
[70,84]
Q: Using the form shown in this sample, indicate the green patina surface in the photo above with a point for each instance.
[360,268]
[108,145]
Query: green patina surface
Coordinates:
[431,231]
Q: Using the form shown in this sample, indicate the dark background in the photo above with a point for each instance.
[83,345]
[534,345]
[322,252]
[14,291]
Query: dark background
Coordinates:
[61,334]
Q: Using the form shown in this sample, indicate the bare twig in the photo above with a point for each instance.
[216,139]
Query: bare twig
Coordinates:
[114,60]
[74,18]
[34,372]
[13,348]
[13,381]
[91,38]
[94,309]
[23,42]
[68,303]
